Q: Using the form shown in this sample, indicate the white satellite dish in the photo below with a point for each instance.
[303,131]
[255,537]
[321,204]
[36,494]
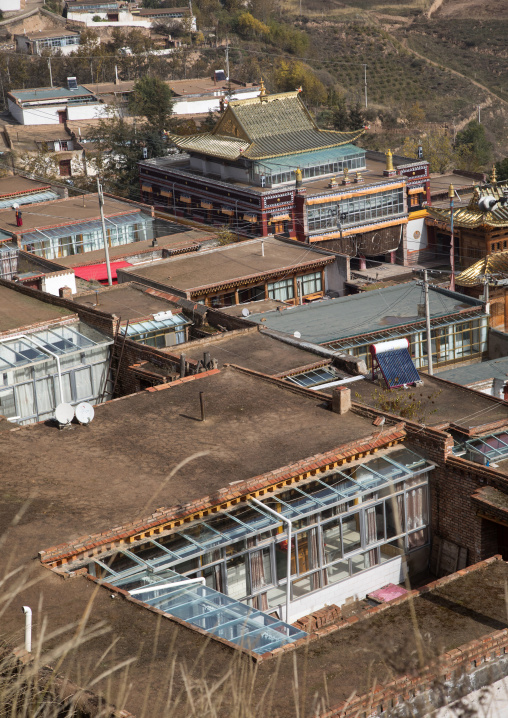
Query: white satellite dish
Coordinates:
[297,335]
[64,413]
[245,312]
[84,412]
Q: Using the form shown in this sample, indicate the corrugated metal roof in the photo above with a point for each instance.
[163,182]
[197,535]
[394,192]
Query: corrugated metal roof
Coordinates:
[256,128]
[272,115]
[225,147]
[49,93]
[382,309]
[28,198]
[495,263]
[465,375]
[301,141]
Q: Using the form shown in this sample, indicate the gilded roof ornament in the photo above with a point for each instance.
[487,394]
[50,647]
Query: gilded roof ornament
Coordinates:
[493,176]
[473,202]
[492,264]
[389,161]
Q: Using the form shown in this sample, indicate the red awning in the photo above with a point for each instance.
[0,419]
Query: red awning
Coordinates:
[99,272]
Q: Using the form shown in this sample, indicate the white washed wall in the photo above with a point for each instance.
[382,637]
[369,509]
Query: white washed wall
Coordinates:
[52,283]
[356,587]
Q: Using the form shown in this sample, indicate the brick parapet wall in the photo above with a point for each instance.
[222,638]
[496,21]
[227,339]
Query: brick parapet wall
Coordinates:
[166,519]
[449,665]
[39,326]
[460,659]
[131,353]
[99,320]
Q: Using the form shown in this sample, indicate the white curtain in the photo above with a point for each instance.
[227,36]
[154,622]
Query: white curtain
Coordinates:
[83,379]
[45,395]
[7,405]
[417,516]
[25,400]
[371,530]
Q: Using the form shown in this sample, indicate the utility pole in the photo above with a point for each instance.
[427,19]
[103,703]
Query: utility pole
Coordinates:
[451,194]
[227,58]
[365,82]
[50,73]
[430,370]
[486,290]
[104,236]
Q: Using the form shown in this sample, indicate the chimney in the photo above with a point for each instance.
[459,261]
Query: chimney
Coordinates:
[341,399]
[65,293]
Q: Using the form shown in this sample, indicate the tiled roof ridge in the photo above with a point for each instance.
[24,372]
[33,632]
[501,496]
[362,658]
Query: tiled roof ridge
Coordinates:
[105,541]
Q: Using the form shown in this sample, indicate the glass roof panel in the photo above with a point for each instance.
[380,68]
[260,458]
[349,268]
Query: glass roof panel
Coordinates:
[494,445]
[227,527]
[407,459]
[43,196]
[151,325]
[313,377]
[218,614]
[84,227]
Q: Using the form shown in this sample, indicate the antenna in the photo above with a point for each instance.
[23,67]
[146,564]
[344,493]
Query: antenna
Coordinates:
[84,412]
[245,312]
[64,414]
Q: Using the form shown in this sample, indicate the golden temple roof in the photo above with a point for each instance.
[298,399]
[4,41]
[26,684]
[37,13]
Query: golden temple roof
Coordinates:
[496,263]
[264,127]
[472,216]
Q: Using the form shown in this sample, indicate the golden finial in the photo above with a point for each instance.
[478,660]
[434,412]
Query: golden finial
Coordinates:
[451,192]
[262,91]
[473,202]
[389,161]
[493,176]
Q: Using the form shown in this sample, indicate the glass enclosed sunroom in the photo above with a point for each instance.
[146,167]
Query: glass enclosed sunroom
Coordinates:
[356,523]
[33,383]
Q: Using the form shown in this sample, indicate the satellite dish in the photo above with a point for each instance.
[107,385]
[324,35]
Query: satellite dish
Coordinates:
[245,312]
[297,335]
[64,413]
[84,412]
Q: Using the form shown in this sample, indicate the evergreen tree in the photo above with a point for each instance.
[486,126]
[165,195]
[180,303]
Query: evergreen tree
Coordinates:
[502,170]
[151,98]
[474,151]
[356,117]
[340,117]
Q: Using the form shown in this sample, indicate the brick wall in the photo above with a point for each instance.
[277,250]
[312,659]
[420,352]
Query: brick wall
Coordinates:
[319,619]
[99,320]
[130,352]
[452,482]
[448,666]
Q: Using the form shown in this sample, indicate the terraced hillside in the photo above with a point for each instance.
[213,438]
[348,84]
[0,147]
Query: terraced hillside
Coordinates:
[450,55]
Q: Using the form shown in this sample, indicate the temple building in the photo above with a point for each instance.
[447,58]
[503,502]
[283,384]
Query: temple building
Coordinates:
[485,278]
[267,169]
[476,232]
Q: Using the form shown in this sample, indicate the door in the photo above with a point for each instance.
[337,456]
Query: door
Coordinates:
[502,541]
[65,168]
[62,116]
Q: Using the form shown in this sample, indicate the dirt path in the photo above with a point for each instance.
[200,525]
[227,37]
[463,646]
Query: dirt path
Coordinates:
[454,72]
[435,6]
